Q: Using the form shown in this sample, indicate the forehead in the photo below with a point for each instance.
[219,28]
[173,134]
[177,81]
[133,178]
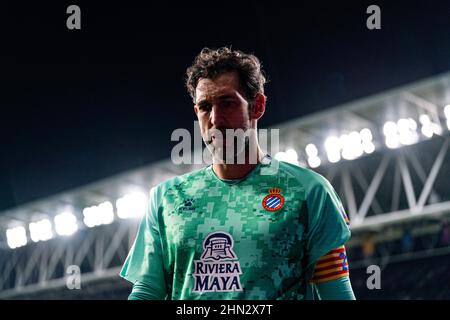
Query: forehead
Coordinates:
[226,83]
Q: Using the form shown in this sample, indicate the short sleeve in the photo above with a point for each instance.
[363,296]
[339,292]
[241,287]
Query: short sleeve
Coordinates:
[327,224]
[145,262]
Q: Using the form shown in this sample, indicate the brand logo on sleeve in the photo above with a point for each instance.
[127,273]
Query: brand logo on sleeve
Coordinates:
[216,271]
[274,201]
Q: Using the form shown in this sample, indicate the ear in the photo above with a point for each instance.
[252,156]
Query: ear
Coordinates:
[196,109]
[258,106]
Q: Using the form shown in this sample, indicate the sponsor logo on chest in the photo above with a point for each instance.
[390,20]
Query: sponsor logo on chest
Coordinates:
[218,269]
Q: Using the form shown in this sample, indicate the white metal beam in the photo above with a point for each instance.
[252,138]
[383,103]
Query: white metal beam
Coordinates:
[371,191]
[433,174]
[407,183]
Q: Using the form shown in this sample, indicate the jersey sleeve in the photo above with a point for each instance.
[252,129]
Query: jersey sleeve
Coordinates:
[144,262]
[337,289]
[327,224]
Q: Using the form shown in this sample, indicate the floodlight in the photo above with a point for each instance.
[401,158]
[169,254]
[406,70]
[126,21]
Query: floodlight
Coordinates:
[131,205]
[41,230]
[65,224]
[16,237]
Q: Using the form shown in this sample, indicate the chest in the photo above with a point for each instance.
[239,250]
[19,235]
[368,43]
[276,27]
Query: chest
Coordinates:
[256,217]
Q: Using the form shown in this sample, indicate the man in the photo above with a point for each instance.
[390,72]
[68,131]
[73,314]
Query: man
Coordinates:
[247,226]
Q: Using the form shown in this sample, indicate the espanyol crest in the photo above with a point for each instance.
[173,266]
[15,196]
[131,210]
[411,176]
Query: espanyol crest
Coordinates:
[274,201]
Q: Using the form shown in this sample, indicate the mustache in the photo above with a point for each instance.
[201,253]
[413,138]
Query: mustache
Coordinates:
[213,131]
[221,133]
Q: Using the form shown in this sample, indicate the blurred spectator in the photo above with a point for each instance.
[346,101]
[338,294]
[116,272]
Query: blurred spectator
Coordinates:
[368,246]
[407,241]
[445,234]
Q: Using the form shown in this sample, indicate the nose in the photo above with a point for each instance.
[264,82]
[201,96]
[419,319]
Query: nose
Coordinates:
[217,116]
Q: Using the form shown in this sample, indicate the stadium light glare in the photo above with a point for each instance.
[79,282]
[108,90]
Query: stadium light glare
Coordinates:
[280,155]
[437,129]
[429,128]
[392,142]
[289,156]
[98,215]
[406,129]
[292,156]
[356,145]
[390,131]
[366,135]
[41,230]
[351,145]
[131,205]
[447,115]
[65,224]
[314,162]
[333,149]
[366,138]
[16,237]
[447,111]
[359,149]
[311,150]
[369,148]
[390,128]
[313,155]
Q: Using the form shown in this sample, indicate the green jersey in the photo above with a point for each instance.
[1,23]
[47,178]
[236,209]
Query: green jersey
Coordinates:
[256,238]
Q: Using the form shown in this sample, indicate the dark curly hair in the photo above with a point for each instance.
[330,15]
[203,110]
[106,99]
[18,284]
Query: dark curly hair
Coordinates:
[211,63]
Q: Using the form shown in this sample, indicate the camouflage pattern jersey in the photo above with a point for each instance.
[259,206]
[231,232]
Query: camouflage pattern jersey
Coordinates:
[254,238]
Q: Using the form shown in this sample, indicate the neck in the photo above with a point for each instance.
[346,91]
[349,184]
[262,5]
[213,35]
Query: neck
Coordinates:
[237,171]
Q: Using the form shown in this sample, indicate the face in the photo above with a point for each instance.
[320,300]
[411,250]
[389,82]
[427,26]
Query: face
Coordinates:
[221,105]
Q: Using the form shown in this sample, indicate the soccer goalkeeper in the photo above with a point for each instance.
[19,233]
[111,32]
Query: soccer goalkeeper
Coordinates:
[252,229]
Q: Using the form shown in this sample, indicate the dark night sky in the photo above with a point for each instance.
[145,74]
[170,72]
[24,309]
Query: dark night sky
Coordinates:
[77,106]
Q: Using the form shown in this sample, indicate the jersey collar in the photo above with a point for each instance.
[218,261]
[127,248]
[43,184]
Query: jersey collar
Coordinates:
[265,161]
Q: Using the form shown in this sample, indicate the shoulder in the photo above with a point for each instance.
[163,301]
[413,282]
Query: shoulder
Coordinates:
[309,179]
[180,181]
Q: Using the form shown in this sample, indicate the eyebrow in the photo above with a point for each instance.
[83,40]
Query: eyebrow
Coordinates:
[203,103]
[226,96]
[221,97]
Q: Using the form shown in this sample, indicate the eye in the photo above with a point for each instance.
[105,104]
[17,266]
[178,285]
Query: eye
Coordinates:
[204,106]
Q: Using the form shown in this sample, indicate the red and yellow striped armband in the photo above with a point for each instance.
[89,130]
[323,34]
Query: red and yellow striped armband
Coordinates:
[331,266]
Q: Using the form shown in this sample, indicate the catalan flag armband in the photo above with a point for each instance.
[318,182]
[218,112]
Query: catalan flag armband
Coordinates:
[344,214]
[331,266]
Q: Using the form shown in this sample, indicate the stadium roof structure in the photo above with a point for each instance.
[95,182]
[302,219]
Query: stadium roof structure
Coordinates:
[386,155]
[403,176]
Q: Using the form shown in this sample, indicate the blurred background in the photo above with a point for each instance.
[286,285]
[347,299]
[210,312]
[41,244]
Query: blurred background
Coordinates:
[87,115]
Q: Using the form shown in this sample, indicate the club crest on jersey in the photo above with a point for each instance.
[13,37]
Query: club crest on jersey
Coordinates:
[274,201]
[216,271]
